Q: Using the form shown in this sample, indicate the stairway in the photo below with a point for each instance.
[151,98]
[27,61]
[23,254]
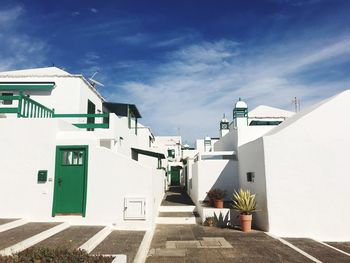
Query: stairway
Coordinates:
[177,215]
[177,208]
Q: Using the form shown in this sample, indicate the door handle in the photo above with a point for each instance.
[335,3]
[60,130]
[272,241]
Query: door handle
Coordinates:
[59,181]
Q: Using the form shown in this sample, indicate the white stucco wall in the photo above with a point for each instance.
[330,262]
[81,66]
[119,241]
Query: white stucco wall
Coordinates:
[29,145]
[251,159]
[227,142]
[307,173]
[208,174]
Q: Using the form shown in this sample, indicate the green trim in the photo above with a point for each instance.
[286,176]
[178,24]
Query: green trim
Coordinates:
[26,86]
[92,125]
[264,123]
[148,153]
[8,110]
[81,115]
[86,169]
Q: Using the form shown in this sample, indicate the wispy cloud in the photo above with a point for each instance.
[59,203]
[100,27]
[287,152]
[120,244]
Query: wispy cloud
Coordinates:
[201,81]
[93,10]
[9,16]
[75,13]
[17,49]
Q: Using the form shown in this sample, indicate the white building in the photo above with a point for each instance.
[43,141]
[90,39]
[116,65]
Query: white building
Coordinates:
[297,164]
[299,171]
[68,155]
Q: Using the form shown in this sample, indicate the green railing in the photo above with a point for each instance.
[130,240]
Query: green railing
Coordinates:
[28,108]
[87,125]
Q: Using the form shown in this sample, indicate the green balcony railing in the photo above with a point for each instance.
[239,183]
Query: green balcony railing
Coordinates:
[28,108]
[87,125]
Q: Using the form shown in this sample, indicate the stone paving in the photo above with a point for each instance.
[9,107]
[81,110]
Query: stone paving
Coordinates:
[15,235]
[73,237]
[318,250]
[6,220]
[176,196]
[186,243]
[121,242]
[345,246]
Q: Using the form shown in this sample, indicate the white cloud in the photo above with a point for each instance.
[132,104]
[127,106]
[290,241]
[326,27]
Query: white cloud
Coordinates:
[93,10]
[200,82]
[8,16]
[18,50]
[75,13]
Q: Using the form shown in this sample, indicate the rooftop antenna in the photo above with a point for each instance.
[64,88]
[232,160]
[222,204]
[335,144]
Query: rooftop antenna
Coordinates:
[296,103]
[94,82]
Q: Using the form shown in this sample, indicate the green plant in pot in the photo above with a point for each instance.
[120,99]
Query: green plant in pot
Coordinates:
[217,195]
[245,203]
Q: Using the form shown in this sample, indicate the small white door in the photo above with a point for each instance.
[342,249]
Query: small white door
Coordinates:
[134,208]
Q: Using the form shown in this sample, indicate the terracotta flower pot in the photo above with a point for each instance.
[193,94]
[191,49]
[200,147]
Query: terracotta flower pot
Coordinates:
[219,203]
[246,222]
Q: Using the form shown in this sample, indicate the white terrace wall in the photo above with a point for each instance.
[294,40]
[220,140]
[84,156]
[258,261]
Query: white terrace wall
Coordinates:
[251,159]
[208,174]
[307,173]
[29,145]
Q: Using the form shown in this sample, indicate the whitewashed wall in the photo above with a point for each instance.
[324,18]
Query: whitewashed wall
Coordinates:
[251,159]
[208,174]
[227,142]
[307,173]
[31,146]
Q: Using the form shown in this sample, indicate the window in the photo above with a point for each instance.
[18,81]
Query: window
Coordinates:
[70,157]
[171,153]
[250,177]
[7,102]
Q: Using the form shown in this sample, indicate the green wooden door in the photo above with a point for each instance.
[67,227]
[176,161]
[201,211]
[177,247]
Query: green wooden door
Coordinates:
[175,176]
[70,180]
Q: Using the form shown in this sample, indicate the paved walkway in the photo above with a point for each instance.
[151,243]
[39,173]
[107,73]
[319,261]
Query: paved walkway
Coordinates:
[176,196]
[189,242]
[252,247]
[72,237]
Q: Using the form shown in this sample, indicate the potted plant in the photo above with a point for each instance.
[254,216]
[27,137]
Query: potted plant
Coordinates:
[217,196]
[209,221]
[245,203]
[210,195]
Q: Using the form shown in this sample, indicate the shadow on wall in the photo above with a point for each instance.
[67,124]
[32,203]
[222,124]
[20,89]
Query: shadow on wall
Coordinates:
[227,180]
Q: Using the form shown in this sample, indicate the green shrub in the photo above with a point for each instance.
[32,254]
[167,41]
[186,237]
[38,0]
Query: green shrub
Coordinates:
[244,202]
[57,255]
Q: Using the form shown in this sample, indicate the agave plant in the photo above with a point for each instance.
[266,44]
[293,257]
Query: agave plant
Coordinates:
[244,202]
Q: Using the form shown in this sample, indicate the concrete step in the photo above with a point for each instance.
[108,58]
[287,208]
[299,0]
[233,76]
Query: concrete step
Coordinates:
[177,220]
[178,214]
[318,250]
[180,208]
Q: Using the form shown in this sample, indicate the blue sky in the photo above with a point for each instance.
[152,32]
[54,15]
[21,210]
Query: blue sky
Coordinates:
[185,63]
